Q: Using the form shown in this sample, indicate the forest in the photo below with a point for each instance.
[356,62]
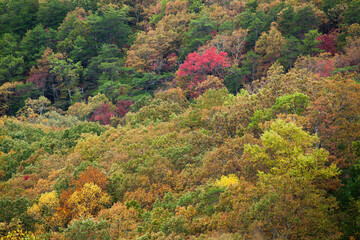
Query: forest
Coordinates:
[179,119]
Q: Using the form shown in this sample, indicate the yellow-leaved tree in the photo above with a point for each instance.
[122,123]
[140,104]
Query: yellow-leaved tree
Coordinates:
[226,181]
[288,200]
[44,211]
[88,200]
[292,176]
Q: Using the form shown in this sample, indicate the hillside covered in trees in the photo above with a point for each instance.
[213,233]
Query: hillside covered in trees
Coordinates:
[179,119]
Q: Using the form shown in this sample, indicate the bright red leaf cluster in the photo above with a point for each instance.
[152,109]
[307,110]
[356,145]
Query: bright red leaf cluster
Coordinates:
[196,67]
[122,107]
[328,42]
[105,112]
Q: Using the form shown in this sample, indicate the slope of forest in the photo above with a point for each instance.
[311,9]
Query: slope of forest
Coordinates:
[179,119]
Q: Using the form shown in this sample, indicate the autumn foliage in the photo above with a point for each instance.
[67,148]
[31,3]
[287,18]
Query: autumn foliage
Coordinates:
[179,119]
[103,114]
[197,67]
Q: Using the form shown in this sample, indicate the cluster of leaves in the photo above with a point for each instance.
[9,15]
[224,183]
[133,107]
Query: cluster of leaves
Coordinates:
[193,74]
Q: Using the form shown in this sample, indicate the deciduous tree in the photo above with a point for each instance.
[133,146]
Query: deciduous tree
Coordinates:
[88,200]
[196,67]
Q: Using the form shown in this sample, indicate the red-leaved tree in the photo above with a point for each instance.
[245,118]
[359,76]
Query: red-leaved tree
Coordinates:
[197,67]
[328,42]
[106,111]
[122,107]
[324,68]
[103,114]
